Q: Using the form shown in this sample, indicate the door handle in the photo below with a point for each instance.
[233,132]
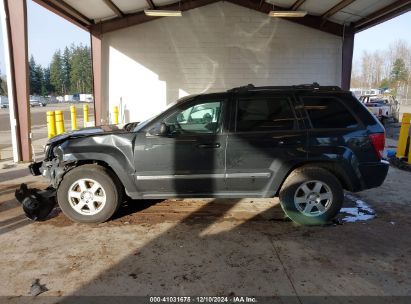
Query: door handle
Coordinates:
[209,146]
[282,142]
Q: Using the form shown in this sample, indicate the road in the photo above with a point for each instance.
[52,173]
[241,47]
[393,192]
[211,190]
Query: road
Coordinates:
[38,114]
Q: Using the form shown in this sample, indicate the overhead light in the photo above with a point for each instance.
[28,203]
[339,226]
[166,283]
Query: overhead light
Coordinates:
[162,13]
[287,14]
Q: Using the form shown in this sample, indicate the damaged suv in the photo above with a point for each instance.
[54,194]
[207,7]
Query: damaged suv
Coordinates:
[305,144]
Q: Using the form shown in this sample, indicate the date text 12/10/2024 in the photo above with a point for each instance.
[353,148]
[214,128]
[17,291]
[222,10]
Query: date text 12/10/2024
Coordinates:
[203,299]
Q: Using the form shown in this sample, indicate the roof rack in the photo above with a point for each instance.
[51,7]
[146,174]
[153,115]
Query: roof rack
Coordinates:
[311,86]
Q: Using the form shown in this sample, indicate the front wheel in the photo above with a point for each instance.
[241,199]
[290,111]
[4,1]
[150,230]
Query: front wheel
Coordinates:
[89,194]
[311,196]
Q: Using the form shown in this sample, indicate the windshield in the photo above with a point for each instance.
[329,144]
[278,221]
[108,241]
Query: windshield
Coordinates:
[142,124]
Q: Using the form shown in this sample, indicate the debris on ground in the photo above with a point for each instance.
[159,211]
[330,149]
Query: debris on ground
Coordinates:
[400,163]
[361,212]
[37,288]
[37,204]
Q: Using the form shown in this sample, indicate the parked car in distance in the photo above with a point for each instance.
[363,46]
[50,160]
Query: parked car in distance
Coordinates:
[304,143]
[37,103]
[4,102]
[384,108]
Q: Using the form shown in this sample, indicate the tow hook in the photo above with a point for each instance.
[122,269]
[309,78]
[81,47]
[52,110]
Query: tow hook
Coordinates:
[37,204]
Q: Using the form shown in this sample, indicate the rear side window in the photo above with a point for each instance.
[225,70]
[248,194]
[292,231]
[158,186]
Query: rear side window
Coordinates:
[328,113]
[264,114]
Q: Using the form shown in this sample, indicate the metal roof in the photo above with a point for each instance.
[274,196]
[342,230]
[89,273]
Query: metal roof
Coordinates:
[327,15]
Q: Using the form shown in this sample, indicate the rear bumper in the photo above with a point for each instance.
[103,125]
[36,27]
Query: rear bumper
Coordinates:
[373,175]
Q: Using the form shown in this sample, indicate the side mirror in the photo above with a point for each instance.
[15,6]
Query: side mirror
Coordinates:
[164,130]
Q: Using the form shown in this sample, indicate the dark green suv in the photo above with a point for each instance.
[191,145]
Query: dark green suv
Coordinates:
[303,143]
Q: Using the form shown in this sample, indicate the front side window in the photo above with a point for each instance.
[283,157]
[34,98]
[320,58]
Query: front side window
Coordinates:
[328,113]
[264,114]
[204,117]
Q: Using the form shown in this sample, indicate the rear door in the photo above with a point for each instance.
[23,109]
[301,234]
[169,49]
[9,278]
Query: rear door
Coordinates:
[265,142]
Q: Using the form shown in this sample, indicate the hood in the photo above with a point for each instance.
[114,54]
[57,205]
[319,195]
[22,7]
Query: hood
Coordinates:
[91,131]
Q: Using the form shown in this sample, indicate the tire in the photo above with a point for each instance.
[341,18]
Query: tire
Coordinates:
[305,190]
[94,205]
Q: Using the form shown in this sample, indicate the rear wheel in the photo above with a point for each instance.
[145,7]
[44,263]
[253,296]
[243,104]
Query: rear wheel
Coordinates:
[89,194]
[311,196]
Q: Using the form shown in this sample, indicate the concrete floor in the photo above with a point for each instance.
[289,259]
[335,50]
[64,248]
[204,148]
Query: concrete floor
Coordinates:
[207,247]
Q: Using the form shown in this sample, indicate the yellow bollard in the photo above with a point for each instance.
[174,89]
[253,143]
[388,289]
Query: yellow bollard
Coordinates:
[59,122]
[73,118]
[116,115]
[85,114]
[409,153]
[51,124]
[402,140]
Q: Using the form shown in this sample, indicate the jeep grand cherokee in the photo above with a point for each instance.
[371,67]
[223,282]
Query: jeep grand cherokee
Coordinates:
[305,144]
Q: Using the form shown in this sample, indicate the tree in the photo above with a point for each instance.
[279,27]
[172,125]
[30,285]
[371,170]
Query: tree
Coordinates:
[399,74]
[385,83]
[47,88]
[80,74]
[35,77]
[66,68]
[3,86]
[56,73]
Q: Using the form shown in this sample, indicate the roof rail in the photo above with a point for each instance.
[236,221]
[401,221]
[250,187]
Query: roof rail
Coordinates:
[316,86]
[245,88]
[311,86]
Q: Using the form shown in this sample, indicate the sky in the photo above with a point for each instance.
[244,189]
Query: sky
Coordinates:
[382,35]
[49,32]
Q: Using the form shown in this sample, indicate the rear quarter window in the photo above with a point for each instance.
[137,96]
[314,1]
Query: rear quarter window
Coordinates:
[328,113]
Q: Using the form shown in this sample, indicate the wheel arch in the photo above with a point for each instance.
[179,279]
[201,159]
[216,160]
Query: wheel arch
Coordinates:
[334,168]
[120,180]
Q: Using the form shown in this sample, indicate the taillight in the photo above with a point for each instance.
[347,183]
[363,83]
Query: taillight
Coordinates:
[378,142]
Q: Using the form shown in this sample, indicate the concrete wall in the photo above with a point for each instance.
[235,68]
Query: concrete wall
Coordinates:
[211,48]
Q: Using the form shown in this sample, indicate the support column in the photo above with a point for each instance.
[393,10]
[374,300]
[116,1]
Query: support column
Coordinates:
[96,63]
[15,22]
[347,53]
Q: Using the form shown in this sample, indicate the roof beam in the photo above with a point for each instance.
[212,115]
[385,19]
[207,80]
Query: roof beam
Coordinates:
[336,8]
[151,4]
[315,22]
[114,8]
[67,12]
[386,13]
[140,17]
[297,4]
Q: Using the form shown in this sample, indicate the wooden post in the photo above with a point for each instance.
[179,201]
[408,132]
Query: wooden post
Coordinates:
[14,25]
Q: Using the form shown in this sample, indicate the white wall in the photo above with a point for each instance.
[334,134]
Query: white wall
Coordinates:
[212,48]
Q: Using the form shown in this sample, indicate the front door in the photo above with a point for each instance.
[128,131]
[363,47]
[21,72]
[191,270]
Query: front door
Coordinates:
[190,159]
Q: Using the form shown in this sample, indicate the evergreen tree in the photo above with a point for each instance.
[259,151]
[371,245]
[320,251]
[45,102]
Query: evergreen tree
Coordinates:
[80,74]
[47,86]
[69,73]
[3,85]
[66,68]
[56,73]
[399,74]
[35,77]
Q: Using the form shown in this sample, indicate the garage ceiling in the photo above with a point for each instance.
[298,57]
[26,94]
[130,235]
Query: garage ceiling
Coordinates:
[327,15]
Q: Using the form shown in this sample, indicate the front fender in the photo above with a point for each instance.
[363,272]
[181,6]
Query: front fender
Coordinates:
[113,150]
